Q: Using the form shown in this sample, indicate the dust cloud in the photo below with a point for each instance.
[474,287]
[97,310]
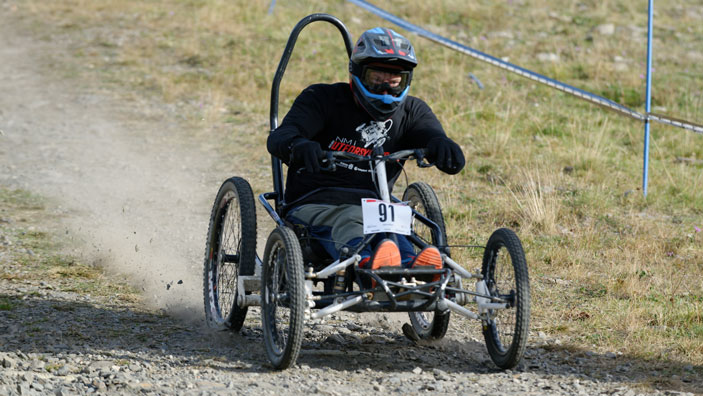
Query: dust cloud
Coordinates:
[131,188]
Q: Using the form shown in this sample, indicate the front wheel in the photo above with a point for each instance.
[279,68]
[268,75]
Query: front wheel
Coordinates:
[283,297]
[422,198]
[505,274]
[230,252]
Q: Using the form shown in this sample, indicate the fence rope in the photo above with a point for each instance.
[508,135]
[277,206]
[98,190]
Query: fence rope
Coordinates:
[579,93]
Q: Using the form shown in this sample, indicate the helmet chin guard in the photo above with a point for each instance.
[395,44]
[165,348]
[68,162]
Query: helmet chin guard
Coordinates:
[379,106]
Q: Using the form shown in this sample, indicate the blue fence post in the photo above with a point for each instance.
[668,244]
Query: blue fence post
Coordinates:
[648,103]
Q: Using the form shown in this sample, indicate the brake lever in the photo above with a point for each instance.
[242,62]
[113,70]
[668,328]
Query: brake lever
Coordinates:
[420,157]
[329,159]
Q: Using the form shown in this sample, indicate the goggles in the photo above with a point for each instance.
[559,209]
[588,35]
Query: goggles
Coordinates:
[378,80]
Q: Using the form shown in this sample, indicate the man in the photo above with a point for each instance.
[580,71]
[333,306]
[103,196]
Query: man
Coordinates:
[373,110]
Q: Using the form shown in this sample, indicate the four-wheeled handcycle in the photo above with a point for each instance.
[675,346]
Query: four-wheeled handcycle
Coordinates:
[296,280]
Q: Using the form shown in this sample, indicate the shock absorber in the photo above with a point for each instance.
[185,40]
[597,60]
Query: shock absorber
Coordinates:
[340,283]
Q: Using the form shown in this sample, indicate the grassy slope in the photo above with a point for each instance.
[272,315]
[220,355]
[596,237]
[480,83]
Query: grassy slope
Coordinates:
[609,269]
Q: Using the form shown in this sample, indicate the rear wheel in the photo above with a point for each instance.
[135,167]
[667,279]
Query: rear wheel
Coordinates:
[230,248]
[283,297]
[422,198]
[505,273]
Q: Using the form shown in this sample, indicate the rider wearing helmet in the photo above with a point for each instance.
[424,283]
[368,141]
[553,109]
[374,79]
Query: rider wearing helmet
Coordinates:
[373,111]
[378,52]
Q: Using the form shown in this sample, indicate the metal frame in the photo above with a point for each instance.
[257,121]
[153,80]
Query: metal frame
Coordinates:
[389,295]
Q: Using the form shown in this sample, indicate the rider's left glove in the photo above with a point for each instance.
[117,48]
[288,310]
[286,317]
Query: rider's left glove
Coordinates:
[446,155]
[307,154]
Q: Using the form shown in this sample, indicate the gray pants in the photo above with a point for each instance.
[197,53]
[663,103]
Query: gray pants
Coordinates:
[345,221]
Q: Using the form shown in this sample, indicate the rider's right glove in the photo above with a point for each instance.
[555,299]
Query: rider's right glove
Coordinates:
[306,154]
[446,155]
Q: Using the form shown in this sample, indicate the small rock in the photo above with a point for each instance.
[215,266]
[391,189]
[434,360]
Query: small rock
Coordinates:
[508,35]
[8,363]
[65,370]
[335,339]
[100,365]
[434,386]
[23,389]
[395,381]
[37,365]
[61,392]
[621,67]
[548,57]
[417,370]
[354,339]
[440,375]
[606,29]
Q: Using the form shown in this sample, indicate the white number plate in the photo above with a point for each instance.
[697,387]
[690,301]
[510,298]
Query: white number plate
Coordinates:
[380,216]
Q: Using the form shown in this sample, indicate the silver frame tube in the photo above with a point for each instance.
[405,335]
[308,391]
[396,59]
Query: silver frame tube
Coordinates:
[336,307]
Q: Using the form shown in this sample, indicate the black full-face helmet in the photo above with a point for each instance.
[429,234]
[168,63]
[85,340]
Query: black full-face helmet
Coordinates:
[381,49]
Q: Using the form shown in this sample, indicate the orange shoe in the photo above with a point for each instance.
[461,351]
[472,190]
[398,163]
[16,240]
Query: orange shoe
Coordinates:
[385,255]
[430,258]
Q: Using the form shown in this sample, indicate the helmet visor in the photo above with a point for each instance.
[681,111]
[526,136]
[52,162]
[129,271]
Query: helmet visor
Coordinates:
[380,80]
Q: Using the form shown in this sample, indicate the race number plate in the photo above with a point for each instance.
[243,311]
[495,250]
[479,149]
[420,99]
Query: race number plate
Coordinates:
[380,216]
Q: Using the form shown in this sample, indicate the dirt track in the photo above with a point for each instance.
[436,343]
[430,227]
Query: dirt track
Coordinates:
[136,191]
[138,198]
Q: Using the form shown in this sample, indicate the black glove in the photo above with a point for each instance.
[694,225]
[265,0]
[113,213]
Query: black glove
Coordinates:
[306,154]
[445,154]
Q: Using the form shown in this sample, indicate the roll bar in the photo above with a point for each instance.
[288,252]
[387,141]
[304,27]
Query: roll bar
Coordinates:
[275,162]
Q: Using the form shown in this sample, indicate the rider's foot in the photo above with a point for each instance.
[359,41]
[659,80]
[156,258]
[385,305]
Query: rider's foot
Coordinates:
[385,255]
[430,258]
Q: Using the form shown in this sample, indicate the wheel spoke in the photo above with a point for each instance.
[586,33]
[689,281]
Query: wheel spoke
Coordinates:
[283,310]
[504,281]
[505,273]
[231,241]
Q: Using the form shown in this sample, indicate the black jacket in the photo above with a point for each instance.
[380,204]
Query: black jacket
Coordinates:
[329,115]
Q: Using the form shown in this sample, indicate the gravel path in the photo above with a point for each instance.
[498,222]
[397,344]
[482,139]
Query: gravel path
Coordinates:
[137,202]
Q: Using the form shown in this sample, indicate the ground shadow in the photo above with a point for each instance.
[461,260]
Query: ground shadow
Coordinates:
[41,324]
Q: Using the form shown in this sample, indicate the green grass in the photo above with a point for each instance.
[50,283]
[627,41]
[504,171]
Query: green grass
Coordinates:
[7,304]
[564,174]
[20,199]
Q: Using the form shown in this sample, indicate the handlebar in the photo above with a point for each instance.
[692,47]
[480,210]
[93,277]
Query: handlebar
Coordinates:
[332,158]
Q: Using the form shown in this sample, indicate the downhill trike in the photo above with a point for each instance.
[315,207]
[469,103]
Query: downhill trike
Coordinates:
[296,280]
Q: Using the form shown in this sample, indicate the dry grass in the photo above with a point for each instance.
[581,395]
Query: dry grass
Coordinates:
[32,255]
[611,270]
